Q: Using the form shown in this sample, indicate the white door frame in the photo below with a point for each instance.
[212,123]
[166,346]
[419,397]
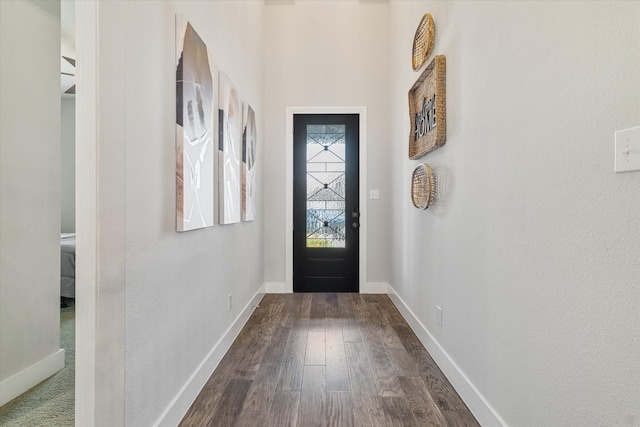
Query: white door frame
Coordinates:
[86,210]
[100,223]
[362,261]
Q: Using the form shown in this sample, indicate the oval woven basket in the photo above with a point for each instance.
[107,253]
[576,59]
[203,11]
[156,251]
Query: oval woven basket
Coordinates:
[423,41]
[422,186]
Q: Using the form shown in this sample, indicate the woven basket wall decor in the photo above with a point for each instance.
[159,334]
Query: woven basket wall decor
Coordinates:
[423,41]
[427,110]
[422,186]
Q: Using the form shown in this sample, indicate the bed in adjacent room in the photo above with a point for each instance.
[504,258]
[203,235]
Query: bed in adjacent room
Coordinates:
[68,265]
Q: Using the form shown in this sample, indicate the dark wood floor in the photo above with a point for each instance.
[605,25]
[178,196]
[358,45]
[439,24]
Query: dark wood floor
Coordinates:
[327,360]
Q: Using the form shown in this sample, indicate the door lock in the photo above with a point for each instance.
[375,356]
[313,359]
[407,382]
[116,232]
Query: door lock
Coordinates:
[355,225]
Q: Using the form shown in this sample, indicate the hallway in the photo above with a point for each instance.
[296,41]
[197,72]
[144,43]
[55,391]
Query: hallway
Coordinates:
[327,360]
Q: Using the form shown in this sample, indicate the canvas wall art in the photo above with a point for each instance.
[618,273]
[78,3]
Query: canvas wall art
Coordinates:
[249,141]
[195,130]
[229,150]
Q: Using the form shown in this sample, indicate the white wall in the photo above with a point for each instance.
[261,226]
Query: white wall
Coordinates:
[68,132]
[326,54]
[534,252]
[171,287]
[29,195]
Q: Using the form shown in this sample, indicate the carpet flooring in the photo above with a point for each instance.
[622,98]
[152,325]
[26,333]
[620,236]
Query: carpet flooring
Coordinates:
[50,403]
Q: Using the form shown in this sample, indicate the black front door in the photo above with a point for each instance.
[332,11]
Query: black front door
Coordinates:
[325,202]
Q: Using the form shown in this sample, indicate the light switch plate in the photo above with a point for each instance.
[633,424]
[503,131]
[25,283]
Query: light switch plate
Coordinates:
[374,194]
[627,150]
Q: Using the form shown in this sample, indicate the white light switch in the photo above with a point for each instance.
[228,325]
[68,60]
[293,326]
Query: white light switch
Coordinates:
[374,194]
[627,150]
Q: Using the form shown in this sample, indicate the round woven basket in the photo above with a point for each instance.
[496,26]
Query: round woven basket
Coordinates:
[422,186]
[423,41]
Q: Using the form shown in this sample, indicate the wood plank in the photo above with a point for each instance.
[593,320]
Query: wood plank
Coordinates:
[248,418]
[274,311]
[345,303]
[359,307]
[367,410]
[391,312]
[318,313]
[440,389]
[201,411]
[339,409]
[268,299]
[316,348]
[337,371]
[266,379]
[258,330]
[245,366]
[351,330]
[375,316]
[420,403]
[294,357]
[460,419]
[246,339]
[389,337]
[284,409]
[369,298]
[384,375]
[332,306]
[303,305]
[257,314]
[231,403]
[288,311]
[320,298]
[313,398]
[403,363]
[410,342]
[397,412]
[385,327]
[253,343]
[359,369]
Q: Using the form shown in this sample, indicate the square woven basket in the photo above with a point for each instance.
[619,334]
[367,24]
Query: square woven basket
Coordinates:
[428,131]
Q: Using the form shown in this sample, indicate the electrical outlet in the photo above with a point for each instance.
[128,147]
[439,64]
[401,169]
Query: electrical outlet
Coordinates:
[439,315]
[230,302]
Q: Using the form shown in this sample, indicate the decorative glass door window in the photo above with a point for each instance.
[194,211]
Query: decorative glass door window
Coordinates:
[326,186]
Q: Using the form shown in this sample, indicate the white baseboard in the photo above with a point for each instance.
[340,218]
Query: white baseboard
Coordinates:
[375,288]
[277,288]
[180,404]
[18,383]
[481,409]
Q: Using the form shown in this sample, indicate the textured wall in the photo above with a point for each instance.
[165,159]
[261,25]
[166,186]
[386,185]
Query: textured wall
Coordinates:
[29,184]
[533,253]
[326,54]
